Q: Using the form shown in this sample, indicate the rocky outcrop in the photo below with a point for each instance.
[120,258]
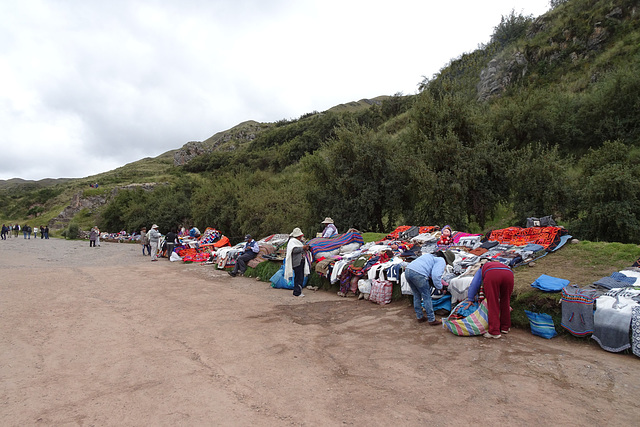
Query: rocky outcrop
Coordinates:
[499,74]
[78,203]
[228,140]
[91,203]
[504,70]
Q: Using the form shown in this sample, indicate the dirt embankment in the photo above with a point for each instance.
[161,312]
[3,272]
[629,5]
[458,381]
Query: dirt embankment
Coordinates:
[102,336]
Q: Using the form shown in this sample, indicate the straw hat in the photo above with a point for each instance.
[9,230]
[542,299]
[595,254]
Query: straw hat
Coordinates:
[327,220]
[296,232]
[154,226]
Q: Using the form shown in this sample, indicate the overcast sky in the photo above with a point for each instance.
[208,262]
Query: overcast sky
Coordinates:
[87,86]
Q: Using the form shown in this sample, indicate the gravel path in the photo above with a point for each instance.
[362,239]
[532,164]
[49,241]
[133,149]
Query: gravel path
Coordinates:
[103,336]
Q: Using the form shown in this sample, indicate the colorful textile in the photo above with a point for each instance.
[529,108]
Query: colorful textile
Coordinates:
[395,234]
[198,257]
[210,235]
[320,244]
[547,237]
[577,310]
[476,323]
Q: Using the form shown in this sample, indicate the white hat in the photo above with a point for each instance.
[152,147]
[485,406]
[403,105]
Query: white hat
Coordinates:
[296,232]
[154,226]
[327,220]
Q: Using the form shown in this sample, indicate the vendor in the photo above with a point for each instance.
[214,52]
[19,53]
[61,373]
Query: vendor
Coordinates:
[498,287]
[297,262]
[249,251]
[330,230]
[423,273]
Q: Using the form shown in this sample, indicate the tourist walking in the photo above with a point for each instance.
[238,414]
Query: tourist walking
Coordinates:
[154,241]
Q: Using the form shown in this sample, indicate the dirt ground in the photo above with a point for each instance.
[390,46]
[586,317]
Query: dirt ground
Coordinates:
[102,336]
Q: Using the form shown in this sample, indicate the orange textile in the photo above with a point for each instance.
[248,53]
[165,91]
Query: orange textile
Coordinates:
[517,236]
[395,234]
[224,241]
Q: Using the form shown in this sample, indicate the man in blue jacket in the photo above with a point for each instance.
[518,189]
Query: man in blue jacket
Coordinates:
[249,252]
[423,273]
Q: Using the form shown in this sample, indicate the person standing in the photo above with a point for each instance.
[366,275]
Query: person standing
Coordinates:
[16,230]
[46,232]
[97,235]
[170,239]
[330,230]
[92,238]
[497,279]
[144,241]
[154,241]
[422,274]
[4,232]
[10,230]
[249,252]
[296,262]
[35,232]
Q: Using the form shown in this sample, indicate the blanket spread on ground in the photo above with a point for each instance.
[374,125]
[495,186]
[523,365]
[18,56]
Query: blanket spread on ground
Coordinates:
[547,237]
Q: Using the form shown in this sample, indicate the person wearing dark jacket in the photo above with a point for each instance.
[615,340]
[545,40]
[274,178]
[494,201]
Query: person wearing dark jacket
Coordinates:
[170,239]
[249,252]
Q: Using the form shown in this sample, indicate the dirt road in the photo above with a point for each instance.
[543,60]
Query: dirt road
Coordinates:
[103,336]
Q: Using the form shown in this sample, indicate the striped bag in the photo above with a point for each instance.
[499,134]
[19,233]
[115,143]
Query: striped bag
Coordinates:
[541,324]
[476,323]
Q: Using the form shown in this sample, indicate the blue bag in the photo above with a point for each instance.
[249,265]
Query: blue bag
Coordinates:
[278,281]
[541,324]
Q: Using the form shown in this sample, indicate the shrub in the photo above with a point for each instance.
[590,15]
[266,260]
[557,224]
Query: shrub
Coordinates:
[72,232]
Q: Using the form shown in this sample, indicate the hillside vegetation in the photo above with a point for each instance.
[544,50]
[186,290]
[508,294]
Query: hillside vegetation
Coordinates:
[542,119]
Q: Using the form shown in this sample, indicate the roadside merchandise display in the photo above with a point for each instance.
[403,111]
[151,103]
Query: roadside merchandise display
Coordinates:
[607,310]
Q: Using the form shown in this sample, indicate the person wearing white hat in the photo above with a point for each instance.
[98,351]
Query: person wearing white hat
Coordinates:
[154,240]
[297,263]
[330,230]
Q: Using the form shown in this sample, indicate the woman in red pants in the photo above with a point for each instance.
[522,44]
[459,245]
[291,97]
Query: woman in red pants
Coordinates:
[498,286]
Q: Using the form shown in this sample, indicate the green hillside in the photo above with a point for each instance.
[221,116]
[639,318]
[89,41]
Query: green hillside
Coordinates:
[541,120]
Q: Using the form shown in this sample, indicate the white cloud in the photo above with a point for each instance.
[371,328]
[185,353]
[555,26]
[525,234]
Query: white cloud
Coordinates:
[91,86]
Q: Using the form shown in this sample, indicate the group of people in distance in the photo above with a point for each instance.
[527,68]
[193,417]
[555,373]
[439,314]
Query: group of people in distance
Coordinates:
[13,230]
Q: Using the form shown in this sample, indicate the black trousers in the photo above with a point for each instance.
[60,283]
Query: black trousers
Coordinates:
[298,279]
[242,260]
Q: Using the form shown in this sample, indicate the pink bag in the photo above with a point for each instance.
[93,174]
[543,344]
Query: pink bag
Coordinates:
[381,291]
